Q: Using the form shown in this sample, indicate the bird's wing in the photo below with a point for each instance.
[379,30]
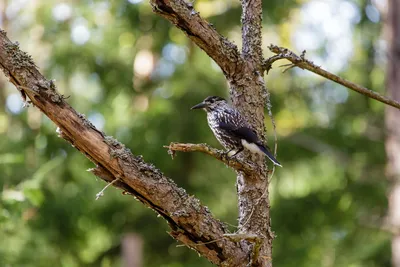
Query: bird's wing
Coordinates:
[240,132]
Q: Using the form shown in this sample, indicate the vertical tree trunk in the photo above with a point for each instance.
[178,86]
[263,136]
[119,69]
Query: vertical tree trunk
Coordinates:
[393,124]
[248,94]
[244,72]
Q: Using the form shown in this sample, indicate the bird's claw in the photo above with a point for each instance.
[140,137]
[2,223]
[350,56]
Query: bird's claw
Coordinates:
[226,156]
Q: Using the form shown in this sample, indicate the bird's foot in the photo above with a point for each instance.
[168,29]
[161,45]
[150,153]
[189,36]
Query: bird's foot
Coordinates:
[228,154]
[231,154]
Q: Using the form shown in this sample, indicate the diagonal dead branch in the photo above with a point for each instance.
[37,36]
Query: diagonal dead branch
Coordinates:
[190,222]
[303,63]
[243,166]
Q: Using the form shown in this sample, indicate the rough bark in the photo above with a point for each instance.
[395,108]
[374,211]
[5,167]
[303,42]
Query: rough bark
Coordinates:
[392,121]
[251,32]
[250,99]
[190,222]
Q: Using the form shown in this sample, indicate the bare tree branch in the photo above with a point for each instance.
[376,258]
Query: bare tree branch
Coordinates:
[190,222]
[302,62]
[243,166]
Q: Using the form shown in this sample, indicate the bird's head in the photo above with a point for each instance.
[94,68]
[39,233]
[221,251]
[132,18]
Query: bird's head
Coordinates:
[211,103]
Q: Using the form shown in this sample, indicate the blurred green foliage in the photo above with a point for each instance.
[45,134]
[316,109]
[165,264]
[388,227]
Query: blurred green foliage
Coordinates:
[135,76]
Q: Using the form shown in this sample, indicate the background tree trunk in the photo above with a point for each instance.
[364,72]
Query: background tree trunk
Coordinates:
[393,124]
[132,250]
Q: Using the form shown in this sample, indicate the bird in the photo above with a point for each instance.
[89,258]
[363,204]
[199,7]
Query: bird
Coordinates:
[231,129]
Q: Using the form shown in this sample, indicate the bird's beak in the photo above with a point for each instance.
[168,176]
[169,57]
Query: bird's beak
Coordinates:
[201,105]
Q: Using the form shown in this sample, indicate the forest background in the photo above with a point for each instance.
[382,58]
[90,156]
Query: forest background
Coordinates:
[135,76]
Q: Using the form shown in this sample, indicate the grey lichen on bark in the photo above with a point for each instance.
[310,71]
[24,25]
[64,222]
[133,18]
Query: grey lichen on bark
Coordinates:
[251,32]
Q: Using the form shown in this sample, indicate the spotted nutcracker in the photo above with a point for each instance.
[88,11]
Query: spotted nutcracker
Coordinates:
[231,129]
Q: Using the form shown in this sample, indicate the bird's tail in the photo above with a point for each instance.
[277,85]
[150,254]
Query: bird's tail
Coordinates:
[269,155]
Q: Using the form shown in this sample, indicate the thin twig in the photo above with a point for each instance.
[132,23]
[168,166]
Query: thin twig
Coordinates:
[271,116]
[303,63]
[101,193]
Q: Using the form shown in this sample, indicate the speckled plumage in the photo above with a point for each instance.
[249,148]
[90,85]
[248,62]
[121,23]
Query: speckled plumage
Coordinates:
[231,129]
[226,114]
